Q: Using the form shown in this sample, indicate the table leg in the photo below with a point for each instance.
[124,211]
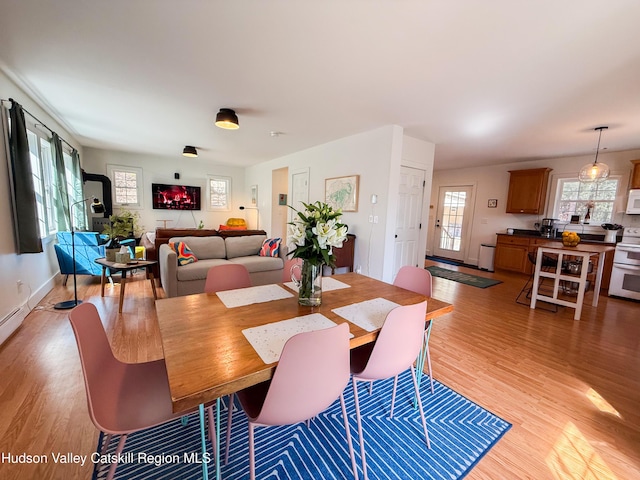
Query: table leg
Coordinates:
[596,291]
[153,283]
[218,438]
[123,282]
[102,280]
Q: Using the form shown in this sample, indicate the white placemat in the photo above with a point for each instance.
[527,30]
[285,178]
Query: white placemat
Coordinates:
[328,284]
[268,340]
[368,315]
[246,296]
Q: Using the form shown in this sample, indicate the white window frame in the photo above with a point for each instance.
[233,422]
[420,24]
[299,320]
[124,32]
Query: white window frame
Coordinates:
[555,196]
[112,169]
[42,172]
[219,208]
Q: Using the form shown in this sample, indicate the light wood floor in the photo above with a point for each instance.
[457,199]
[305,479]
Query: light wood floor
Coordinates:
[571,389]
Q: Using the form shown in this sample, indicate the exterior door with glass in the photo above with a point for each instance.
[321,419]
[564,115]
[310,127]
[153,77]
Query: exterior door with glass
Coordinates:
[452,220]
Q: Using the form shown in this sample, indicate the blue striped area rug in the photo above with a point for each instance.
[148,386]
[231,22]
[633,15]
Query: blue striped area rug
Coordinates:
[460,431]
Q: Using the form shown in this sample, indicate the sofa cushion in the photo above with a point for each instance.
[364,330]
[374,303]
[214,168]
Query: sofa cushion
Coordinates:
[270,247]
[198,270]
[255,263]
[244,246]
[204,247]
[183,253]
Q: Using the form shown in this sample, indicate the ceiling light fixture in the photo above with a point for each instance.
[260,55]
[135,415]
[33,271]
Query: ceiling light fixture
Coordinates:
[189,151]
[595,172]
[227,119]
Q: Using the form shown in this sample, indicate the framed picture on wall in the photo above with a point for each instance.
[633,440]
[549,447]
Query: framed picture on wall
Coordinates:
[492,203]
[342,192]
[254,195]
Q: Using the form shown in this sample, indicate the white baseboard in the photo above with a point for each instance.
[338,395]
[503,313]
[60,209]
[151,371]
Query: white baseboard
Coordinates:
[11,322]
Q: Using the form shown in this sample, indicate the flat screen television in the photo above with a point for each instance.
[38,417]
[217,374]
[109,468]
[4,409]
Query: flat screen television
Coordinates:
[175,197]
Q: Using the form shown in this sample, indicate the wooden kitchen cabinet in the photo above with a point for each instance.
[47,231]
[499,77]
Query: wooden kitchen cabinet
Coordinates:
[511,254]
[345,255]
[635,175]
[527,190]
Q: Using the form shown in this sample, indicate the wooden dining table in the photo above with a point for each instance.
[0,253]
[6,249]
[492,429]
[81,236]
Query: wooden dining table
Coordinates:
[208,356]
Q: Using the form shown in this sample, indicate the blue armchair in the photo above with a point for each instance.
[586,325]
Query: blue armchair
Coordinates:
[89,246]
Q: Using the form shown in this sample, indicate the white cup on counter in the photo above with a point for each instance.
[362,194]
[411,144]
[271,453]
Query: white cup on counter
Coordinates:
[509,231]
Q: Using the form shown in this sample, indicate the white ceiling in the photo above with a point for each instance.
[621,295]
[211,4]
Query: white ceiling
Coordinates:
[488,82]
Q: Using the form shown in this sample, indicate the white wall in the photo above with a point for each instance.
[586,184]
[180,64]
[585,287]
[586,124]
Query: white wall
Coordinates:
[35,270]
[376,156]
[493,182]
[161,169]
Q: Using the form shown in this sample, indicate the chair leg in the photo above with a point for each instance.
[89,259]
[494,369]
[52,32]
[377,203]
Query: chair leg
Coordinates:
[252,460]
[105,444]
[370,387]
[229,420]
[348,430]
[359,421]
[429,367]
[417,389]
[393,395]
[114,465]
[64,282]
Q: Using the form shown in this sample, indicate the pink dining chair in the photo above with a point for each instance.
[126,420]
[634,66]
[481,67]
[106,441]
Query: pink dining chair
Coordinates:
[227,277]
[393,352]
[312,372]
[122,397]
[288,265]
[420,281]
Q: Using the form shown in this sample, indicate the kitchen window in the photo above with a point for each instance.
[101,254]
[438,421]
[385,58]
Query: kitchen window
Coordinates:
[576,198]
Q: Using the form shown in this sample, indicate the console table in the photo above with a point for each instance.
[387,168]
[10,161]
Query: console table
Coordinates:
[344,256]
[584,252]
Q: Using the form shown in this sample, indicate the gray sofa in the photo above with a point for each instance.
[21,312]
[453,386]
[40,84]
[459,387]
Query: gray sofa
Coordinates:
[211,251]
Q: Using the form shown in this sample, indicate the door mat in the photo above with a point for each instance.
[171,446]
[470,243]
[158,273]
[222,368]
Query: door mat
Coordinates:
[466,278]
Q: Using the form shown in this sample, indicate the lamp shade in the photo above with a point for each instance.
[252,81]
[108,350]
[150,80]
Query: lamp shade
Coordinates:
[189,151]
[595,172]
[97,206]
[227,119]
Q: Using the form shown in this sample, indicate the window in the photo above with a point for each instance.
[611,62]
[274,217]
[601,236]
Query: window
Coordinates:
[574,198]
[219,192]
[126,183]
[42,170]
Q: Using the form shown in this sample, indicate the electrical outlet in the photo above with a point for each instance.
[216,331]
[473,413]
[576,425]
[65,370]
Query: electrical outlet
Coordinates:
[375,219]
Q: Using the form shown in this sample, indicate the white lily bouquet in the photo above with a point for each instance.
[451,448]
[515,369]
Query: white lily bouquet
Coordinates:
[315,232]
[312,236]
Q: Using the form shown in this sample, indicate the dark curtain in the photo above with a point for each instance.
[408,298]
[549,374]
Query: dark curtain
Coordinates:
[24,198]
[62,205]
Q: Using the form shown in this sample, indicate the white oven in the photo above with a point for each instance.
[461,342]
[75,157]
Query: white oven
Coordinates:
[625,275]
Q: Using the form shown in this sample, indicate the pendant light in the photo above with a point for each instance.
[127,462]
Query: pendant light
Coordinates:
[595,172]
[227,119]
[189,151]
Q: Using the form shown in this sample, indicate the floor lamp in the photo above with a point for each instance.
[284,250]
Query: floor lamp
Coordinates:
[257,215]
[96,207]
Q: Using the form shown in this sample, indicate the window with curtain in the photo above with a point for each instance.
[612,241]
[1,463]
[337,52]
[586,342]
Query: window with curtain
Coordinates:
[575,198]
[47,193]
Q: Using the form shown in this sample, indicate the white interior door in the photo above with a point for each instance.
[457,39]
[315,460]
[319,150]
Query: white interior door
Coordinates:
[407,232]
[299,189]
[452,220]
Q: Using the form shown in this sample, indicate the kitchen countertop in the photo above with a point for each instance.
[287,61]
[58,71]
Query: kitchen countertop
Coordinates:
[584,238]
